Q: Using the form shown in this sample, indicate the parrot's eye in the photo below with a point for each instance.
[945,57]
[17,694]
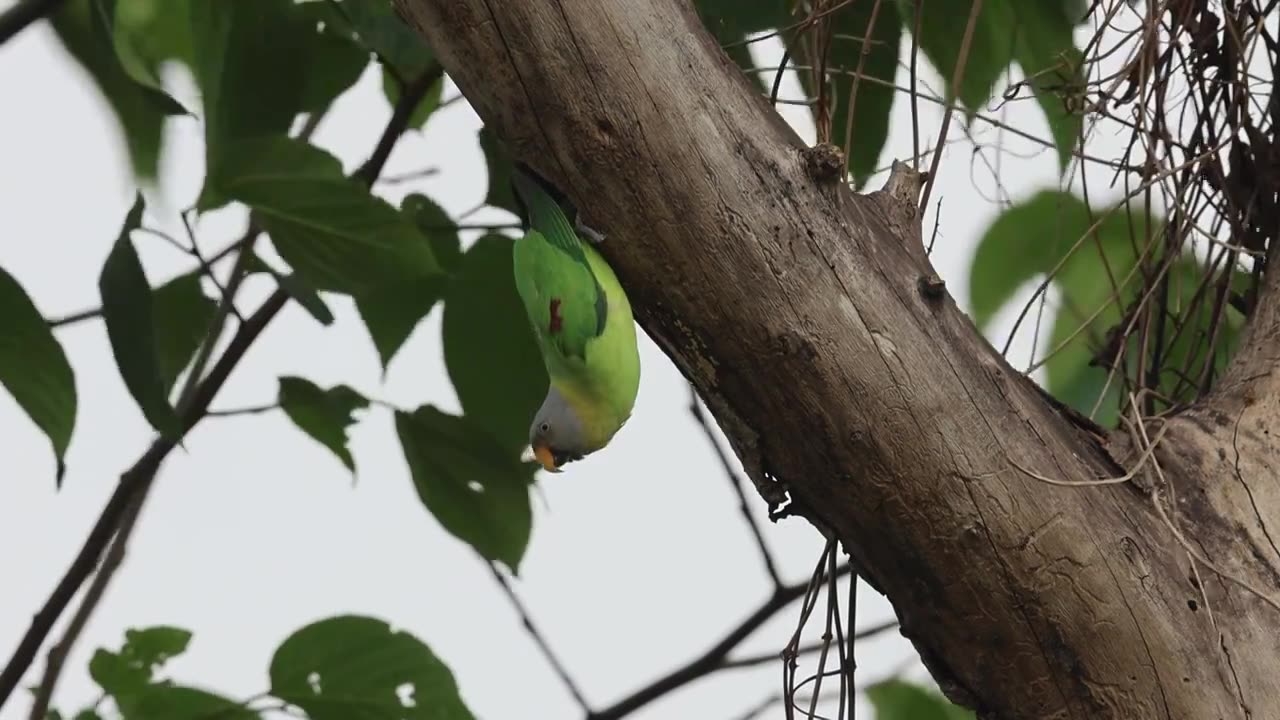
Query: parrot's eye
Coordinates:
[544,427]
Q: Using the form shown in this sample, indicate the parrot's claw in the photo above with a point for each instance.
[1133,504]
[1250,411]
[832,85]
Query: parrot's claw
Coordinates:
[595,236]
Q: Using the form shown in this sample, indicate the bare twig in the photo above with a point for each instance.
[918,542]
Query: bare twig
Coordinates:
[59,652]
[552,659]
[762,658]
[961,60]
[766,555]
[709,661]
[17,18]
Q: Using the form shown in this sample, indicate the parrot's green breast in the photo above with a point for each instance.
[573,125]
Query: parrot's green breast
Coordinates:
[580,316]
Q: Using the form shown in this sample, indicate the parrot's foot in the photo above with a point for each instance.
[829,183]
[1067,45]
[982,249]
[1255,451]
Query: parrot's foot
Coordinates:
[595,236]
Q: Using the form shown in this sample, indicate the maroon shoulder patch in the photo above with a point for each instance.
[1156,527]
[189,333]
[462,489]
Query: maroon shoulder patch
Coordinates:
[556,320]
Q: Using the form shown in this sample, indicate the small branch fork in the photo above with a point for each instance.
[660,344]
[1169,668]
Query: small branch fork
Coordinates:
[192,406]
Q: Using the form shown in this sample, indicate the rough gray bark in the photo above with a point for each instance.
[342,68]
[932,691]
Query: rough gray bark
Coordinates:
[851,385]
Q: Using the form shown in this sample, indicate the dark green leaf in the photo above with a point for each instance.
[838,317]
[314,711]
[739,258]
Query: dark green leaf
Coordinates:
[730,21]
[328,227]
[392,311]
[306,296]
[182,315]
[336,59]
[378,27]
[1046,52]
[133,60]
[874,100]
[477,488]
[1032,238]
[87,715]
[157,30]
[34,369]
[358,668]
[489,347]
[126,674]
[899,700]
[251,62]
[422,113]
[498,161]
[79,27]
[942,27]
[130,319]
[174,702]
[325,415]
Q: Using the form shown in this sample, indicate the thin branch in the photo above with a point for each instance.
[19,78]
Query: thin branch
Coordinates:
[961,60]
[59,652]
[770,566]
[190,411]
[17,18]
[527,620]
[399,122]
[762,658]
[709,661]
[75,317]
[236,412]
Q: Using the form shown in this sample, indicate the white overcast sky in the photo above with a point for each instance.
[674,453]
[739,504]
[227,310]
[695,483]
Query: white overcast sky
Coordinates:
[639,558]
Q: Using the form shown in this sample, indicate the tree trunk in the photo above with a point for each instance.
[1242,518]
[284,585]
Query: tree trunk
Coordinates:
[854,388]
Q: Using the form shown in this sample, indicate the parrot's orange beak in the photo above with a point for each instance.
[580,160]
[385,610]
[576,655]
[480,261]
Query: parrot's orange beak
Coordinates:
[543,455]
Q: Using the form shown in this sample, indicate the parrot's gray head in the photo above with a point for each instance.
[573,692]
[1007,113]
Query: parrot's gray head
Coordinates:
[556,436]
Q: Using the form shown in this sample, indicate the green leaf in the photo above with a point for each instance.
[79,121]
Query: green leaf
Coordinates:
[731,21]
[182,316]
[476,487]
[430,102]
[489,347]
[87,715]
[133,60]
[392,311]
[870,129]
[498,161]
[34,369]
[1030,240]
[358,668]
[1046,52]
[251,60]
[1032,237]
[79,28]
[158,30]
[942,27]
[306,296]
[336,59]
[130,319]
[899,700]
[325,415]
[380,30]
[175,702]
[328,227]
[126,674]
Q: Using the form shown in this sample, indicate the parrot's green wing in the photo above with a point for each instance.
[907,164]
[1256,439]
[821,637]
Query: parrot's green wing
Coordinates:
[561,294]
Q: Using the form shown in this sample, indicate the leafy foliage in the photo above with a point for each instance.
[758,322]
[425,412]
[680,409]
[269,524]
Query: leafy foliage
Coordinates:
[1093,256]
[34,369]
[261,64]
[130,319]
[327,226]
[358,668]
[392,310]
[489,348]
[898,700]
[325,415]
[80,28]
[477,488]
[181,317]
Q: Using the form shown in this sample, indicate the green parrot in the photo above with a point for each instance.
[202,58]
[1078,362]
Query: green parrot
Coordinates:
[582,321]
